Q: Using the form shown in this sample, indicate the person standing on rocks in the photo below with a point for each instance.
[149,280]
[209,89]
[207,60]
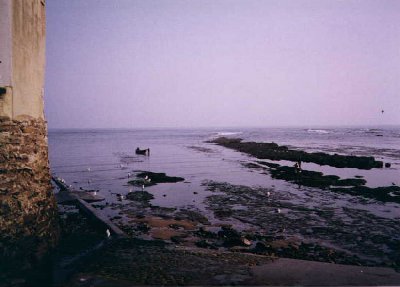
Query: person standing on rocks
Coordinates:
[297,166]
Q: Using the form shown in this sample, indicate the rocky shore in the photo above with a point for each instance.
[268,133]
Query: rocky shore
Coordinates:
[148,178]
[274,151]
[204,255]
[352,186]
[273,231]
[238,235]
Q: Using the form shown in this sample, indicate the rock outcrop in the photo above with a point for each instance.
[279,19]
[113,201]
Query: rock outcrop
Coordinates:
[274,151]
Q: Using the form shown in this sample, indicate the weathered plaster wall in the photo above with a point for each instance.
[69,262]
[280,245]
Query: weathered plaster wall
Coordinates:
[5,58]
[28,57]
[6,101]
[22,57]
[5,43]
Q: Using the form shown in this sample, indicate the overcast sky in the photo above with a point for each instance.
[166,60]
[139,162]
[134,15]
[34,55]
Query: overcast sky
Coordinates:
[173,63]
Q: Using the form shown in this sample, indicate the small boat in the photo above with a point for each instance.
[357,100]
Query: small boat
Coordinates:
[142,151]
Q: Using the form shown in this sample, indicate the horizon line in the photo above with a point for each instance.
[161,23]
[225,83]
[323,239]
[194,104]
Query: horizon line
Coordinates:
[221,127]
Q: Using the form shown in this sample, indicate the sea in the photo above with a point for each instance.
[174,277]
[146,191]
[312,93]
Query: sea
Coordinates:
[104,160]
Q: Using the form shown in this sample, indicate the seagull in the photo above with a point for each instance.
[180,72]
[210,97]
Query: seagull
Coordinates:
[143,187]
[278,210]
[108,233]
[268,193]
[88,169]
[147,179]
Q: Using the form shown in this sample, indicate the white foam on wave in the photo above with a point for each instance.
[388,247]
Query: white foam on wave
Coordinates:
[228,133]
[318,131]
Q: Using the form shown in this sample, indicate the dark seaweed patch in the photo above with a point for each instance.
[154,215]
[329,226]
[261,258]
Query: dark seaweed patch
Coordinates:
[340,235]
[352,186]
[273,151]
[149,178]
[140,196]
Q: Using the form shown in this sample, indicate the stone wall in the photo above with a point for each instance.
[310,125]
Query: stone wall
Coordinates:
[28,213]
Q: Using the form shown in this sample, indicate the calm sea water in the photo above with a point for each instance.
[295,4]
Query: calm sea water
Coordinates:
[102,160]
[110,156]
[103,151]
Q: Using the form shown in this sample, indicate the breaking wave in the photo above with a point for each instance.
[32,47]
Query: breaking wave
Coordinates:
[318,131]
[228,133]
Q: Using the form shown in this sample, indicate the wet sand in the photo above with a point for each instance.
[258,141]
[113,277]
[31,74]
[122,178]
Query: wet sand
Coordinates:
[194,268]
[132,261]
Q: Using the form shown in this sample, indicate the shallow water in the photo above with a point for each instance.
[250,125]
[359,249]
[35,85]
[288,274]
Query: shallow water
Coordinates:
[103,160]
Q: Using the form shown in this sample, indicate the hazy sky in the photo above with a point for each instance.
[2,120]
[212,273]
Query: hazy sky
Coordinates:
[171,63]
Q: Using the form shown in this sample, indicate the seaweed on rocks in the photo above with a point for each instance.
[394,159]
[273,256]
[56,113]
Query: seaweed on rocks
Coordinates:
[353,186]
[142,196]
[159,177]
[274,151]
[321,233]
[312,178]
[149,178]
[382,193]
[191,215]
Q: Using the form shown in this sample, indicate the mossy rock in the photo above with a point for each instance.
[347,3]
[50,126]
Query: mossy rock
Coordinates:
[154,178]
[140,196]
[274,151]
